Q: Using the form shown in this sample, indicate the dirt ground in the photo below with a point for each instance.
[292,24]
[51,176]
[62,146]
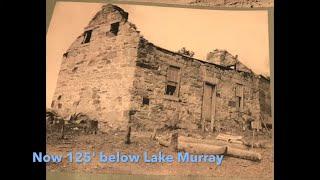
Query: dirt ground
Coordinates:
[114,142]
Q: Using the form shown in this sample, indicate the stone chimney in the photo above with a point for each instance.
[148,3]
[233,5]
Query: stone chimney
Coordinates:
[108,14]
[217,56]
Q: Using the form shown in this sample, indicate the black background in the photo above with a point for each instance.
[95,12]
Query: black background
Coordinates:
[23,73]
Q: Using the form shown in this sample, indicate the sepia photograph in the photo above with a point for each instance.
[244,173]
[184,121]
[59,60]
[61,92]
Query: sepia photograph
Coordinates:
[150,90]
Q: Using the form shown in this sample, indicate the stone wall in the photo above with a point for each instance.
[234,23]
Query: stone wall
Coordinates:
[265,99]
[95,77]
[150,82]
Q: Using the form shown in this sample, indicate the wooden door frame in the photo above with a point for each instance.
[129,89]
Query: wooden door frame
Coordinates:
[213,105]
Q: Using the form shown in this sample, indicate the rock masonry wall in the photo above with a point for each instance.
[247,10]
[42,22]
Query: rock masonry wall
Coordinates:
[96,77]
[150,82]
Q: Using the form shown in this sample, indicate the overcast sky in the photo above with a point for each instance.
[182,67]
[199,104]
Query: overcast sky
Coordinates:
[244,33]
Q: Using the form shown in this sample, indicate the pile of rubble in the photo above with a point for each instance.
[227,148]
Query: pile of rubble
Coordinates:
[229,145]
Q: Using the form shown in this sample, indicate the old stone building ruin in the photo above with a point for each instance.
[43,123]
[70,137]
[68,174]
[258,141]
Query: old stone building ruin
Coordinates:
[111,69]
